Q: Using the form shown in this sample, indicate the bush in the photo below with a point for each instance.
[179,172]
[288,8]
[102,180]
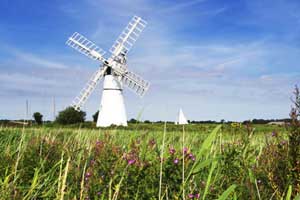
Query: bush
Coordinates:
[70,116]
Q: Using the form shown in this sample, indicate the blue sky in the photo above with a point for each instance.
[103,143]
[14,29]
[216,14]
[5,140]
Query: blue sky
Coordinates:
[216,59]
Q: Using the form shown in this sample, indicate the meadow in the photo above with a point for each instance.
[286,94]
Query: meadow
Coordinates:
[161,161]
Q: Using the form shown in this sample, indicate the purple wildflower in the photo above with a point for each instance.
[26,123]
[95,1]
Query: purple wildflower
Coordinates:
[192,157]
[185,150]
[152,142]
[99,193]
[274,134]
[172,150]
[88,174]
[176,161]
[197,196]
[131,161]
[191,196]
[283,142]
[93,162]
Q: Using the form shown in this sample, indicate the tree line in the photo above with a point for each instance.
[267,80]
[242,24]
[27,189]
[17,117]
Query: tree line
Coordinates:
[72,116]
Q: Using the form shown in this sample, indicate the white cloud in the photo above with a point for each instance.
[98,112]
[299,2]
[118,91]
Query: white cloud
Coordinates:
[180,6]
[41,62]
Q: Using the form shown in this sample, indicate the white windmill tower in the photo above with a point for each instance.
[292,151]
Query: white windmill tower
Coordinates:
[115,73]
[181,118]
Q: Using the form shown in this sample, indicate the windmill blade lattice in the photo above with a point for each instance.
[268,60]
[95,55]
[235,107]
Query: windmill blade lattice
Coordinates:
[86,47]
[135,83]
[129,36]
[79,101]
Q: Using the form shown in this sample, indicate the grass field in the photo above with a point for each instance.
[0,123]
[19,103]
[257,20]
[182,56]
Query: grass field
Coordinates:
[145,161]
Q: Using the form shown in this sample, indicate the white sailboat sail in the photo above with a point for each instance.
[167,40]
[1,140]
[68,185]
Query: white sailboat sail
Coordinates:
[181,118]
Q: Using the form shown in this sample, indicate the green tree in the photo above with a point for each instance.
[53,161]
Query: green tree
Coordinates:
[95,116]
[132,120]
[70,116]
[38,117]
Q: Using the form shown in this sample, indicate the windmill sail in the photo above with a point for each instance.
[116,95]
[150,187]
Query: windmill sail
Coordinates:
[88,89]
[128,37]
[181,118]
[133,81]
[86,47]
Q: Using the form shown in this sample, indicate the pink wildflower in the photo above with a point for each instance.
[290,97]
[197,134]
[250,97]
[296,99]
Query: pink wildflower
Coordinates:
[131,161]
[172,150]
[176,161]
[185,150]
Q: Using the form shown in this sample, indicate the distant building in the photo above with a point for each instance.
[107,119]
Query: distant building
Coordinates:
[277,123]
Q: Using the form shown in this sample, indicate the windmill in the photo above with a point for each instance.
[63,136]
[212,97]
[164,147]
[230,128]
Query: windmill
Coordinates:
[114,71]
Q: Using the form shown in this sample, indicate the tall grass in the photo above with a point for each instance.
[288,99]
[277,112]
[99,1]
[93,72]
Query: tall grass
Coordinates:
[193,162]
[161,161]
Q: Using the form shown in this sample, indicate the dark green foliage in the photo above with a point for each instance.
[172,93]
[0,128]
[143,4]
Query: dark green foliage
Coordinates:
[70,116]
[38,117]
[265,121]
[132,120]
[95,116]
